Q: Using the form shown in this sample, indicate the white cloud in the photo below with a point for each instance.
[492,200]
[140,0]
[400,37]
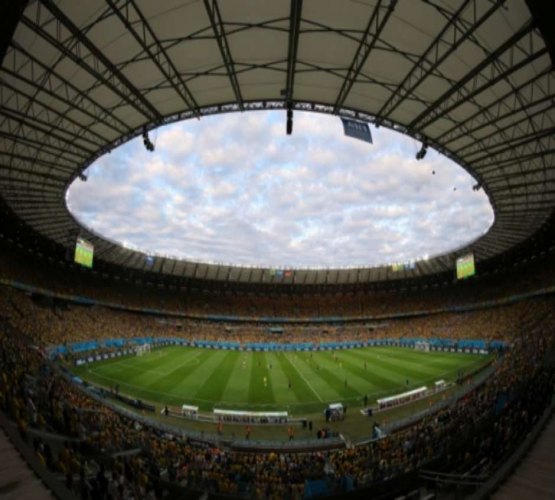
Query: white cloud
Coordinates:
[234,188]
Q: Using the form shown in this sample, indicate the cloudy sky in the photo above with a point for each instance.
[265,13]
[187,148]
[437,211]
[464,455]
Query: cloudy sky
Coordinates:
[236,189]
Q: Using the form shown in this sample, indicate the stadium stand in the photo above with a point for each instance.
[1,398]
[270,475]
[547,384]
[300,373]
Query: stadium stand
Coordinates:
[37,397]
[471,79]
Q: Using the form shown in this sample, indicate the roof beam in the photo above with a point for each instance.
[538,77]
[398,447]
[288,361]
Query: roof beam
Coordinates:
[458,93]
[371,34]
[135,22]
[512,130]
[495,77]
[33,198]
[35,173]
[219,31]
[46,216]
[491,180]
[520,185]
[35,161]
[293,46]
[38,145]
[46,221]
[86,55]
[7,187]
[31,119]
[509,222]
[492,112]
[101,247]
[56,185]
[512,111]
[525,209]
[523,141]
[77,128]
[530,159]
[517,207]
[40,133]
[46,80]
[502,236]
[538,196]
[446,42]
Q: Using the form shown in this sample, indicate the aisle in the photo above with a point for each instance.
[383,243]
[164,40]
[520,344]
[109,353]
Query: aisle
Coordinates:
[534,478]
[16,478]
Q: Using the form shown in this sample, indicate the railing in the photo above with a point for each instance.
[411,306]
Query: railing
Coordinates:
[204,437]
[452,479]
[439,405]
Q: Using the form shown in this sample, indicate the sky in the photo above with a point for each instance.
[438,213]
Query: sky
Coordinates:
[235,189]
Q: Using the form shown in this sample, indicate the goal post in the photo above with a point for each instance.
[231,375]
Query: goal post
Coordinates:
[142,349]
[422,346]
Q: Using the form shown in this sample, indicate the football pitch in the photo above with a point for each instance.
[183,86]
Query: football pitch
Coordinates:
[298,382]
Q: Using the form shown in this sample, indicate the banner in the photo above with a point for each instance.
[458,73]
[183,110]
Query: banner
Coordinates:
[356,129]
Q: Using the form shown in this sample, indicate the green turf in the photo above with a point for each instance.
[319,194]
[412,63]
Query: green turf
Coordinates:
[235,380]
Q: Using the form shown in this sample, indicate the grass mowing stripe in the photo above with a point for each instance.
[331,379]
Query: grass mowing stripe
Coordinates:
[154,359]
[144,375]
[325,371]
[383,379]
[214,386]
[260,393]
[394,367]
[237,389]
[299,383]
[437,371]
[434,356]
[182,371]
[175,375]
[133,390]
[280,380]
[190,383]
[366,376]
[424,360]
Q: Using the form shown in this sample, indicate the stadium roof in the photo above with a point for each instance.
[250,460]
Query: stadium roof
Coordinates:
[470,78]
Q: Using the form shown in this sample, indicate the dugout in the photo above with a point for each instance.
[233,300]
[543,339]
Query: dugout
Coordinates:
[334,412]
[189,411]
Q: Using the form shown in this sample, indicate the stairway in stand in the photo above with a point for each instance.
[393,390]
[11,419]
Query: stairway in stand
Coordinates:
[534,477]
[17,481]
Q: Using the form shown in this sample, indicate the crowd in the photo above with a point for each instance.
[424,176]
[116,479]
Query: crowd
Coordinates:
[474,433]
[58,322]
[180,298]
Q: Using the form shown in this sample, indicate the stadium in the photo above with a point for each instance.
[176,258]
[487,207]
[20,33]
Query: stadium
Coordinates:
[127,373]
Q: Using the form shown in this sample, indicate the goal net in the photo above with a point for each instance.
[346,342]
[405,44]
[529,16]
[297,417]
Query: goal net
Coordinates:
[142,349]
[422,346]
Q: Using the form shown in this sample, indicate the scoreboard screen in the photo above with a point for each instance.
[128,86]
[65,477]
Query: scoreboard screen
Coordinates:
[465,266]
[84,252]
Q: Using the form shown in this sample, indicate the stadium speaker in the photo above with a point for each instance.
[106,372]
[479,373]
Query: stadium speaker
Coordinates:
[289,127]
[542,11]
[423,150]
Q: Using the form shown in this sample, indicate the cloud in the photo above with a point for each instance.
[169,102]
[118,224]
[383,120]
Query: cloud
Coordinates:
[236,189]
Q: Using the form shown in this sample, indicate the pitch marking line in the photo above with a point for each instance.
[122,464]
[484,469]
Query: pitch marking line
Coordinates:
[191,358]
[306,380]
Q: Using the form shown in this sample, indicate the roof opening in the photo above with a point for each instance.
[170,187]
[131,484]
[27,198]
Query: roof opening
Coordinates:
[237,189]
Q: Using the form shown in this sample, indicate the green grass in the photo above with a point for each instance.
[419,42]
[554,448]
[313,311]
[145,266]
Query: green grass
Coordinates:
[235,380]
